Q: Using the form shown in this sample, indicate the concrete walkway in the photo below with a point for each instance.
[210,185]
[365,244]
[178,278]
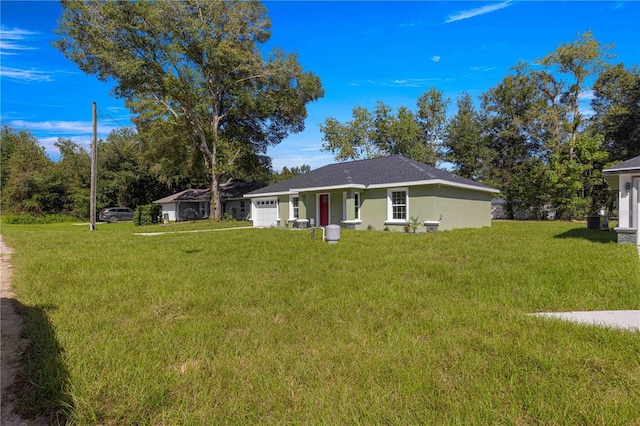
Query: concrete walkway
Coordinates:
[153,234]
[629,320]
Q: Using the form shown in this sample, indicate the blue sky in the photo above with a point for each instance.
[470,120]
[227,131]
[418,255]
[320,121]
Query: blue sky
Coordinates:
[362,51]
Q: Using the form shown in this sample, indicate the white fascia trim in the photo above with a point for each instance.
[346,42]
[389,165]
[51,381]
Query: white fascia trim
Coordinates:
[621,170]
[330,188]
[432,182]
[270,194]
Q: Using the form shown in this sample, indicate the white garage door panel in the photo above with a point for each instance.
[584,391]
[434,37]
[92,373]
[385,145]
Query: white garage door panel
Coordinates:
[266,212]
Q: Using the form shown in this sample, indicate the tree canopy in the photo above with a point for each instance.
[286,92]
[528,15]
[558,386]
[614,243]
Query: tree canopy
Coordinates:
[417,135]
[196,64]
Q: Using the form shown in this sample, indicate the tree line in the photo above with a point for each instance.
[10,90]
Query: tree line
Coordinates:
[131,172]
[530,137]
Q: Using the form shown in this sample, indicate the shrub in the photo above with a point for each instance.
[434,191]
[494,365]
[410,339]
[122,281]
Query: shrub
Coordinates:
[29,219]
[414,223]
[147,214]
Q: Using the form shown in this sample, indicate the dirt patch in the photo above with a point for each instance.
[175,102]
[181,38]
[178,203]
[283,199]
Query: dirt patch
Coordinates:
[13,342]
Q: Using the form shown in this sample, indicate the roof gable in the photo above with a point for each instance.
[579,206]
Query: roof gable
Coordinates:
[364,173]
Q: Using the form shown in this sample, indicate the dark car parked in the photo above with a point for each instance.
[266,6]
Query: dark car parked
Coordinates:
[114,214]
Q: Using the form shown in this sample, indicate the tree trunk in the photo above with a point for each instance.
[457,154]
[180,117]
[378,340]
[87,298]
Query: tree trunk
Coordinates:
[215,206]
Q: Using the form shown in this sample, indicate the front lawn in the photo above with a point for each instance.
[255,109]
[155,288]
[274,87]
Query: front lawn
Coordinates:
[267,326]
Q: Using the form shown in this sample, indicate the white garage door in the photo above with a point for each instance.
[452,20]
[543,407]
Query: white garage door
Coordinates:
[266,210]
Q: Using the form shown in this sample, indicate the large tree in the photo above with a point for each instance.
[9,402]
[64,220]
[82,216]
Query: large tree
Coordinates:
[415,135]
[516,167]
[464,143]
[198,64]
[74,170]
[616,104]
[29,181]
[571,154]
[579,61]
[123,172]
[353,140]
[432,117]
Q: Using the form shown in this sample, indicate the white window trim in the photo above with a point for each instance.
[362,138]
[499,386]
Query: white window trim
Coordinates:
[390,218]
[291,215]
[357,204]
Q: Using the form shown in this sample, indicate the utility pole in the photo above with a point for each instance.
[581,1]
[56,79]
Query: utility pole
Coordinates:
[94,170]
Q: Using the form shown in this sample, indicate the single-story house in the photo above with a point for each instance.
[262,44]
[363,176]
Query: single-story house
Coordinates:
[379,193]
[193,204]
[190,204]
[625,178]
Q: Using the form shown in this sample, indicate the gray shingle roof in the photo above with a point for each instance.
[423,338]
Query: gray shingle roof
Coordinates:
[377,171]
[186,195]
[626,166]
[234,189]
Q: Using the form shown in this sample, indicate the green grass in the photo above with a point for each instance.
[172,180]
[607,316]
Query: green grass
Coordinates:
[267,326]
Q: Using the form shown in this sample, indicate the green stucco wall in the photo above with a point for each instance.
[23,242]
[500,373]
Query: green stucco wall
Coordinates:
[456,207]
[462,208]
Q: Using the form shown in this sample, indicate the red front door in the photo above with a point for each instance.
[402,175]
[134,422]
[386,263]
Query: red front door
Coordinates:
[324,209]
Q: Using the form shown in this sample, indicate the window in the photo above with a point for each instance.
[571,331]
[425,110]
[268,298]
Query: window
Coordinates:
[356,200]
[242,209]
[294,212]
[398,205]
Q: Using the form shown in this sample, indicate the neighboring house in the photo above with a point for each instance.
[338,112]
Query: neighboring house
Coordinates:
[190,204]
[193,204]
[234,203]
[379,193]
[625,178]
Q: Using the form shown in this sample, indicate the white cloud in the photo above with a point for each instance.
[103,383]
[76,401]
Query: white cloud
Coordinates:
[7,47]
[412,24]
[24,75]
[62,127]
[412,82]
[313,161]
[16,33]
[10,40]
[435,58]
[587,112]
[482,69]
[361,82]
[49,143]
[587,95]
[466,14]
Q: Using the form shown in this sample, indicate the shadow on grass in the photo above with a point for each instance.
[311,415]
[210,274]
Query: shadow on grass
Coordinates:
[596,236]
[42,386]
